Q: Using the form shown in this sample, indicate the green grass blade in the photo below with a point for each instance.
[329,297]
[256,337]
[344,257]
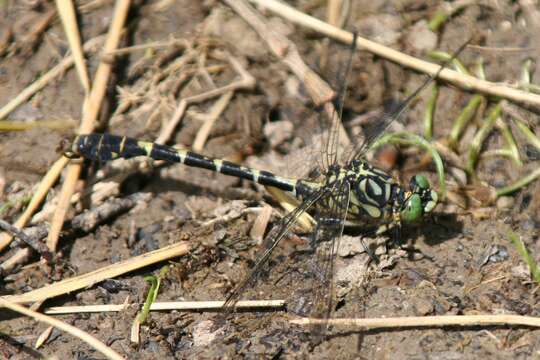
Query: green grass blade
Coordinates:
[518,184]
[430,112]
[155,282]
[520,247]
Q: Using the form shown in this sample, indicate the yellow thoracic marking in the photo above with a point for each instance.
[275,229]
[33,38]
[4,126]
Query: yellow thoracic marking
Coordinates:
[363,184]
[374,187]
[387,190]
[373,211]
[355,204]
[147,146]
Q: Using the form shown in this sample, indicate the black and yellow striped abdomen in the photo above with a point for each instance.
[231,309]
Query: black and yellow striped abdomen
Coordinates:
[105,147]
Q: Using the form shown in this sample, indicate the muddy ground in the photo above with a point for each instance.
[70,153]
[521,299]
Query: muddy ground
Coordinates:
[460,261]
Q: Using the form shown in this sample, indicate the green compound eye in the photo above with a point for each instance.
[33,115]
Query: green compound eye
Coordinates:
[413,209]
[419,182]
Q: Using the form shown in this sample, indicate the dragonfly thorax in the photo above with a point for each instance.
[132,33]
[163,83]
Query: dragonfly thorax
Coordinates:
[375,197]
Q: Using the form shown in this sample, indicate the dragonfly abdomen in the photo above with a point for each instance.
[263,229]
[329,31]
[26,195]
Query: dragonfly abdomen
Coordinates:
[104,147]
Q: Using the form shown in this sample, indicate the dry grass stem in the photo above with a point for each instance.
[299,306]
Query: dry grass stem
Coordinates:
[319,91]
[501,49]
[246,81]
[135,331]
[84,336]
[6,125]
[261,223]
[425,321]
[90,112]
[30,40]
[20,257]
[210,119]
[465,82]
[131,49]
[168,305]
[62,207]
[66,10]
[46,183]
[333,12]
[96,276]
[44,336]
[57,71]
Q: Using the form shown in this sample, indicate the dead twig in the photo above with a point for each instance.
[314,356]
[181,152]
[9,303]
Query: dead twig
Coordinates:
[89,220]
[90,46]
[465,82]
[46,183]
[94,277]
[33,37]
[246,81]
[37,246]
[66,11]
[170,305]
[70,329]
[425,321]
[86,222]
[210,119]
[90,112]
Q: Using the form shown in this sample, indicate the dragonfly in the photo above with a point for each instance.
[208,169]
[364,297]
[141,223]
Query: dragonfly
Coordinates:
[349,192]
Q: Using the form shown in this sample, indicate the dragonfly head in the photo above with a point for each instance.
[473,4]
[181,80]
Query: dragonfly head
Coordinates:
[421,199]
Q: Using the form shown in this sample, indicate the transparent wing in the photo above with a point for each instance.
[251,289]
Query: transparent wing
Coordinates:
[386,119]
[272,240]
[327,238]
[332,140]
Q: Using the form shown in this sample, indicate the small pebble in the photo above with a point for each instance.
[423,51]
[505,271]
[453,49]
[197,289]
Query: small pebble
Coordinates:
[350,245]
[505,202]
[423,306]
